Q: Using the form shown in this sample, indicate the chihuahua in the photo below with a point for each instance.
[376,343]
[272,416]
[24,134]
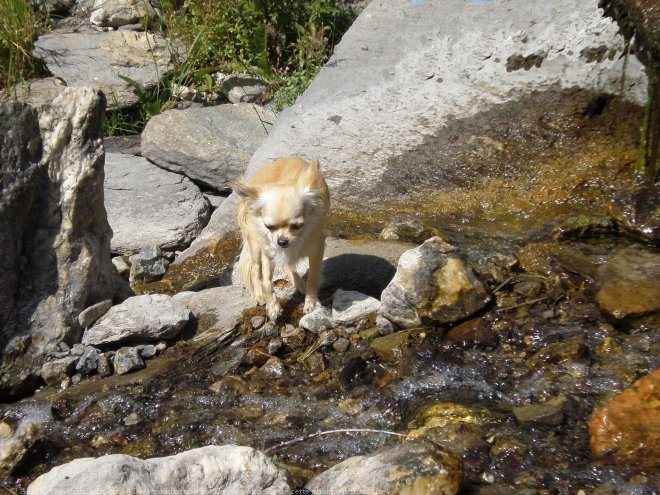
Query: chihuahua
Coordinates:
[281,213]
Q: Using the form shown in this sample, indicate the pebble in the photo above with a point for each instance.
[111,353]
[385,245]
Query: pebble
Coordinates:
[127,359]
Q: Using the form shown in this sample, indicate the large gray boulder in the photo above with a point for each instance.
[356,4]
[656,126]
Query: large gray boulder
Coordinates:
[148,205]
[97,59]
[54,234]
[210,145]
[217,470]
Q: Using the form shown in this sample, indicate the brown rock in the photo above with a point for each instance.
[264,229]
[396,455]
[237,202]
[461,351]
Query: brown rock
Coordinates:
[627,429]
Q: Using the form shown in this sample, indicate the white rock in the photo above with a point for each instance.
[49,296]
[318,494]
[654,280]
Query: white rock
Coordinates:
[314,321]
[139,318]
[350,307]
[220,470]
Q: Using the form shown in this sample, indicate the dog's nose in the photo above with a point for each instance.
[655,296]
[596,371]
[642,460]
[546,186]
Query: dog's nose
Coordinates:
[282,241]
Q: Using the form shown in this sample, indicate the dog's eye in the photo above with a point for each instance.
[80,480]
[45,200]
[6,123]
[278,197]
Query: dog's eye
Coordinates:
[296,226]
[270,227]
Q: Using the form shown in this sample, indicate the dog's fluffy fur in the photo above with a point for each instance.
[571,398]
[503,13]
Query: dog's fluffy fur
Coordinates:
[281,213]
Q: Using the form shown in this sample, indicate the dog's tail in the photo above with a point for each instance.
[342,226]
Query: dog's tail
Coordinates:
[249,271]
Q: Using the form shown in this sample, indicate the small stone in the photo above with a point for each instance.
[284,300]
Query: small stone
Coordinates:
[274,368]
[257,321]
[351,306]
[470,334]
[104,368]
[292,336]
[147,351]
[341,345]
[317,319]
[149,265]
[132,419]
[557,353]
[53,372]
[244,88]
[121,265]
[275,345]
[89,361]
[314,362]
[391,348]
[385,326]
[550,413]
[64,347]
[408,229]
[76,379]
[127,359]
[161,346]
[77,349]
[93,313]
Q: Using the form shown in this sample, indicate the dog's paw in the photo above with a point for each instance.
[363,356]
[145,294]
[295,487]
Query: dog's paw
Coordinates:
[311,303]
[274,310]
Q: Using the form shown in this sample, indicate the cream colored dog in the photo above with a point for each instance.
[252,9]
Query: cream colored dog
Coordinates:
[281,213]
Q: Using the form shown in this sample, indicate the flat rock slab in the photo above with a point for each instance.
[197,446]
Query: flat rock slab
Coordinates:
[215,469]
[148,205]
[210,145]
[140,318]
[97,59]
[350,307]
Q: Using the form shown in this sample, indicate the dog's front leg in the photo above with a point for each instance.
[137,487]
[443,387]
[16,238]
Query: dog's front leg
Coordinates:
[273,307]
[314,277]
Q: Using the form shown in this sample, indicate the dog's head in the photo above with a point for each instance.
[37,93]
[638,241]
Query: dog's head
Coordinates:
[283,213]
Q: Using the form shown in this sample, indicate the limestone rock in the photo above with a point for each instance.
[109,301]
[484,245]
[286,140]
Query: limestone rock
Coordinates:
[53,372]
[139,318]
[630,284]
[16,445]
[213,144]
[350,307]
[97,59]
[434,283]
[127,359]
[215,469]
[625,430]
[55,238]
[314,321]
[148,205]
[413,467]
[117,13]
[219,308]
[94,312]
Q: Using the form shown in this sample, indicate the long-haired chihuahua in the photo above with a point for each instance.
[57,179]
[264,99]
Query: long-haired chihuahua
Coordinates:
[281,213]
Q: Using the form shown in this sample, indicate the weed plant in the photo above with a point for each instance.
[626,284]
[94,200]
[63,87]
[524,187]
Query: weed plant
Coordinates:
[19,26]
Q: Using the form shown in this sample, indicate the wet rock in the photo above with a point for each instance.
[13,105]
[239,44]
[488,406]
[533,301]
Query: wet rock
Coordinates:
[511,454]
[132,419]
[244,88]
[630,285]
[117,13]
[97,59]
[93,313]
[558,353]
[294,337]
[274,368]
[104,367]
[470,334]
[550,413]
[89,361]
[55,240]
[341,344]
[148,265]
[350,307]
[215,142]
[139,318]
[408,229]
[53,372]
[127,359]
[434,283]
[582,226]
[625,430]
[213,469]
[392,348]
[535,257]
[413,467]
[316,320]
[443,414]
[148,205]
[16,445]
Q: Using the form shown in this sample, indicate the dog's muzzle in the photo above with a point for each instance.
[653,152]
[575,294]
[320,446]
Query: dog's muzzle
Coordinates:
[282,241]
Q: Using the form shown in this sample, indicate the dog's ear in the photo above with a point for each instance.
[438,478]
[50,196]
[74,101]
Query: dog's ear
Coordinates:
[245,190]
